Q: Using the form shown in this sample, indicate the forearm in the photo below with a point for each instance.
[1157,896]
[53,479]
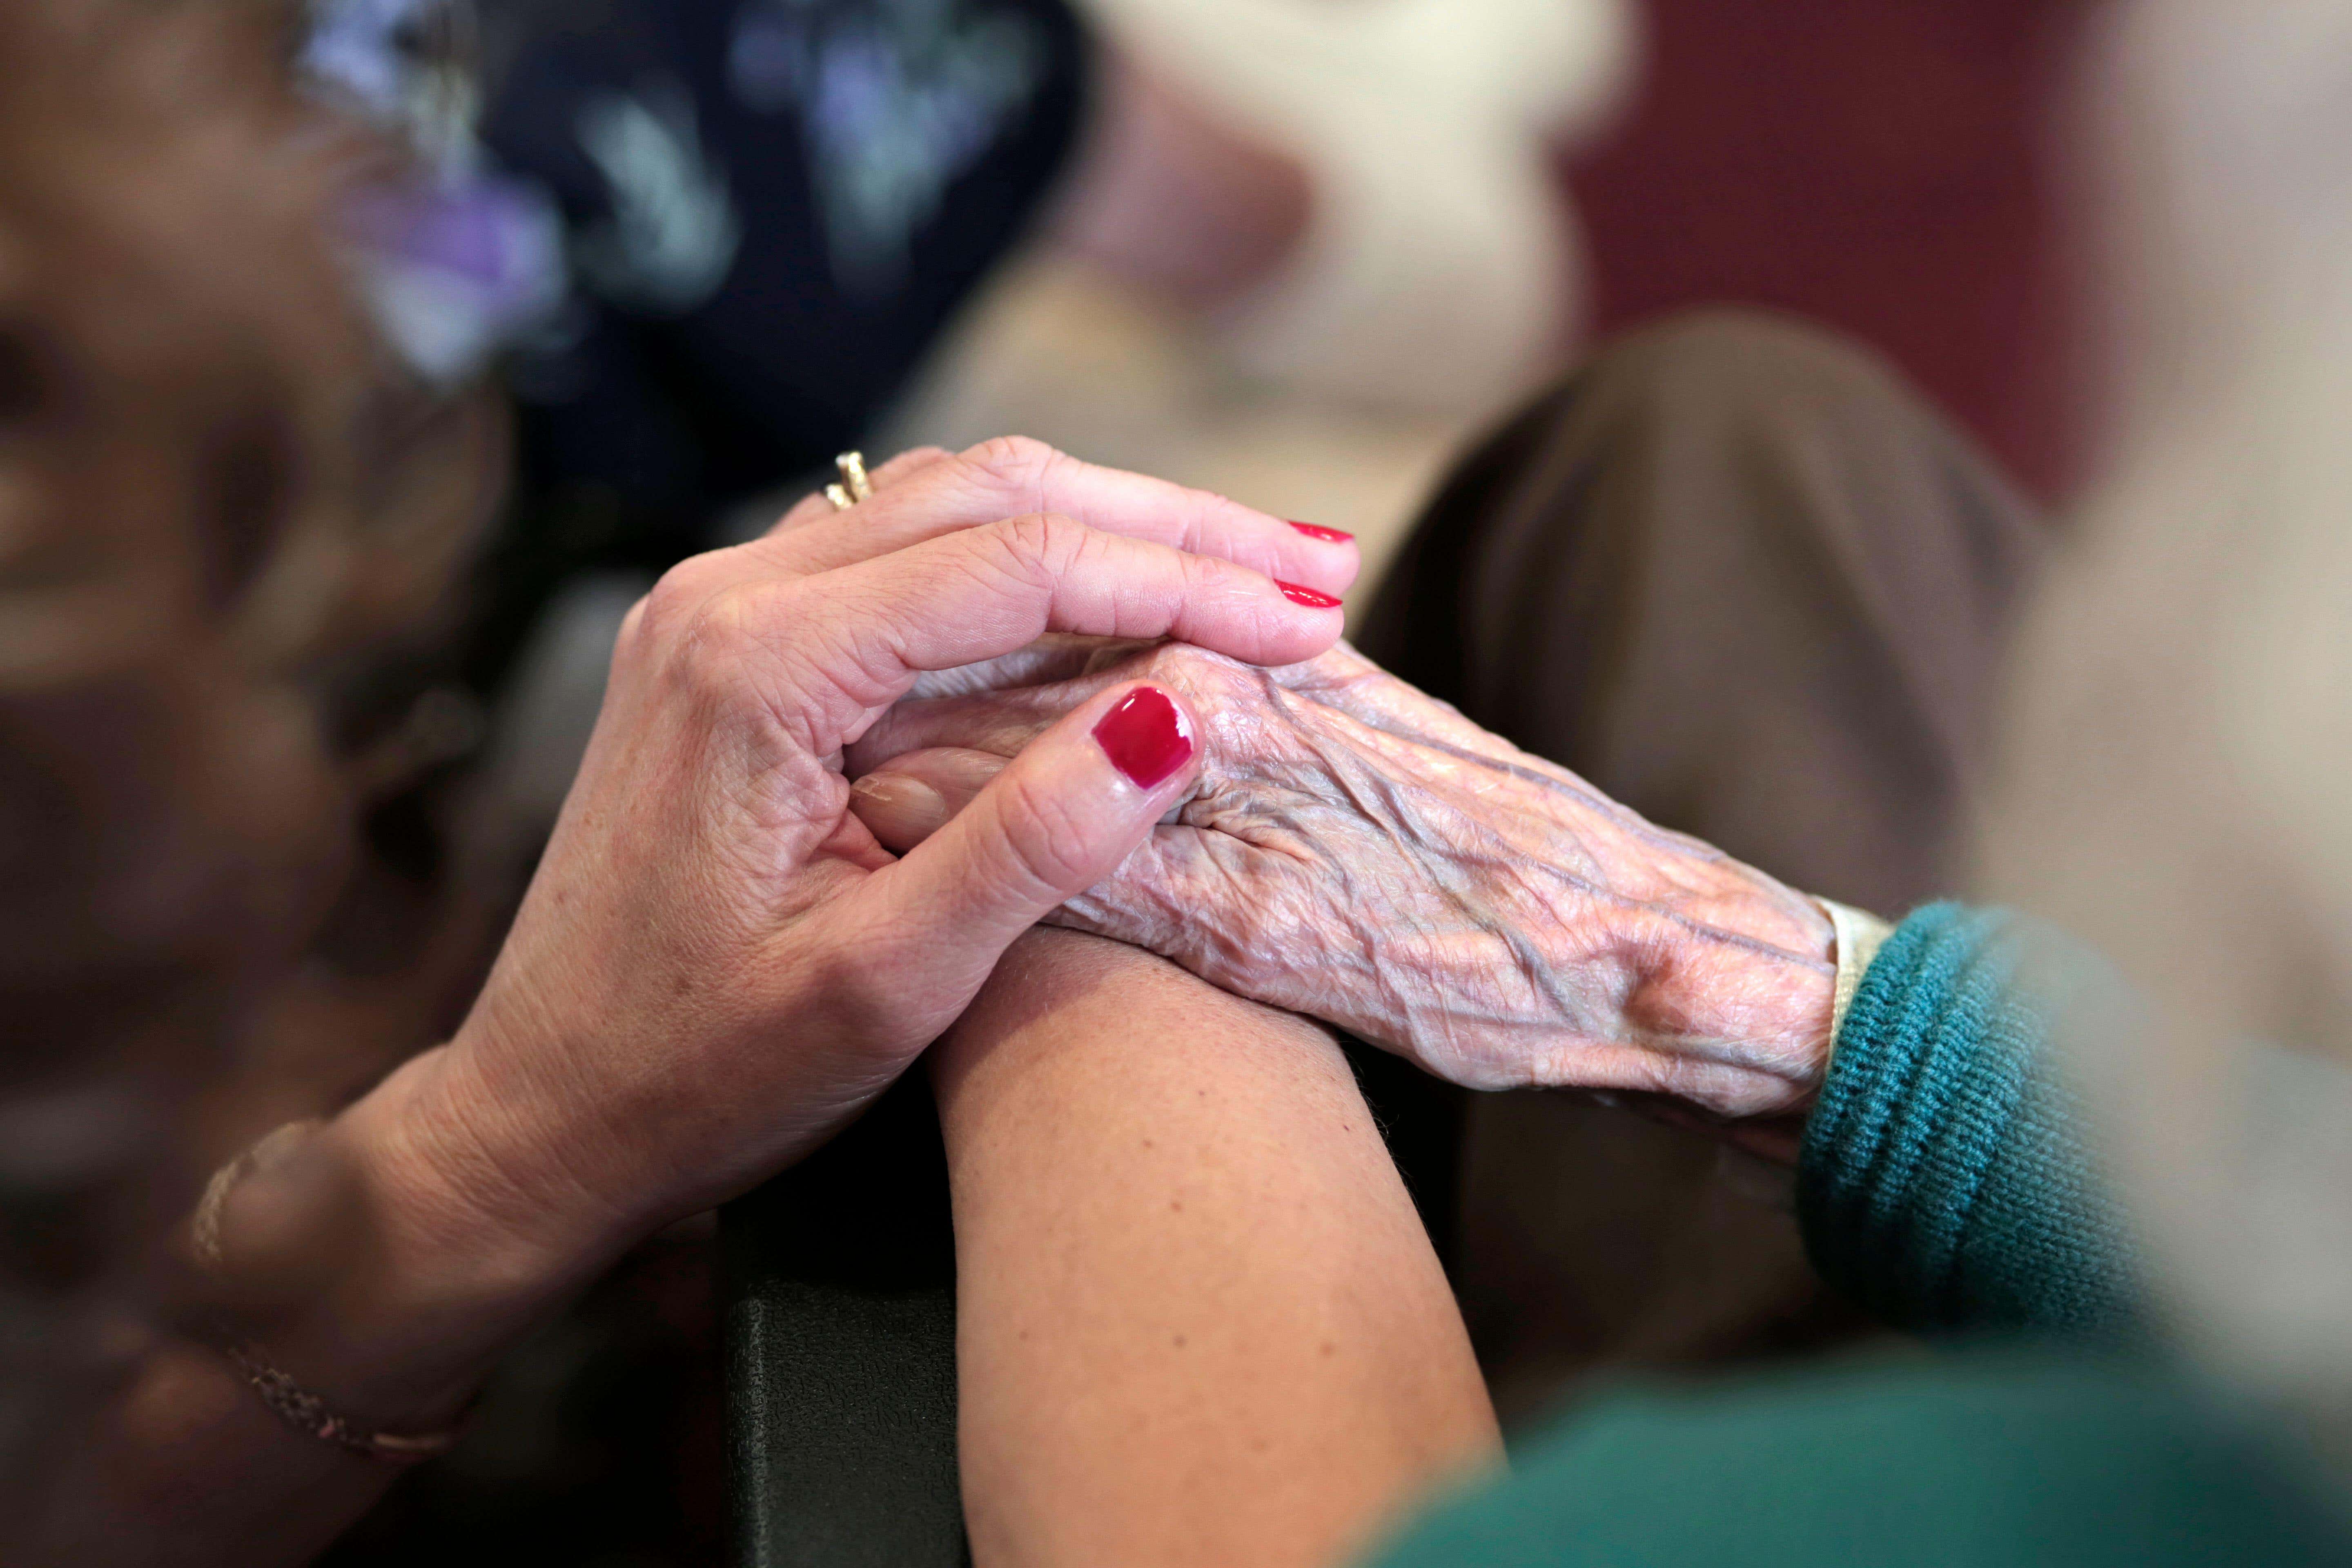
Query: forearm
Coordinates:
[361,1267]
[184,1465]
[1199,1319]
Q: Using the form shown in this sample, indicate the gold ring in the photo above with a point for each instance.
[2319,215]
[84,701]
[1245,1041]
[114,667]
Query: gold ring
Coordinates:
[855,484]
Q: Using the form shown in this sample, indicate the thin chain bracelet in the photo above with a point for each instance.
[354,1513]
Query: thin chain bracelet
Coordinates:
[306,1412]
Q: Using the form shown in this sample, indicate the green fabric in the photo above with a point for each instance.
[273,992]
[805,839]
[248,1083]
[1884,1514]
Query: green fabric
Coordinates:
[1944,1183]
[2014,1461]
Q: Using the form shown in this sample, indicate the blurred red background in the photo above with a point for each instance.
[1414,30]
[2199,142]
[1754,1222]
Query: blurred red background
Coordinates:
[1886,166]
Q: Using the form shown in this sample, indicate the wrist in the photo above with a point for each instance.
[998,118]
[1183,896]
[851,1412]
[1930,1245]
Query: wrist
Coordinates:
[388,1259]
[482,1183]
[1738,981]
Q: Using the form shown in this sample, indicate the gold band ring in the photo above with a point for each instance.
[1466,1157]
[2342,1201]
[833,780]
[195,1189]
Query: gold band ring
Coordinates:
[855,484]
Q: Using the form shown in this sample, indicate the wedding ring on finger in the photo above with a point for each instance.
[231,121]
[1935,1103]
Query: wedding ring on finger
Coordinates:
[854,486]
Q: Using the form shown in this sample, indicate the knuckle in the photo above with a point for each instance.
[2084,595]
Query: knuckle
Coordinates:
[706,646]
[678,599]
[1210,679]
[1175,663]
[1235,591]
[729,618]
[1030,548]
[1213,574]
[1018,462]
[668,603]
[630,645]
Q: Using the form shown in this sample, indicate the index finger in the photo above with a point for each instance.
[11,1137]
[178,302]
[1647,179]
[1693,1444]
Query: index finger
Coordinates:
[873,628]
[1015,477]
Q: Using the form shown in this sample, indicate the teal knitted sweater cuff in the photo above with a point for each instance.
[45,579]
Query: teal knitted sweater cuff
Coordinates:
[1945,1183]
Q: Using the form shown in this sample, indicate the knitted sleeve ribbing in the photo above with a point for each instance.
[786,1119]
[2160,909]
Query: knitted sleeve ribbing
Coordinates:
[1945,1182]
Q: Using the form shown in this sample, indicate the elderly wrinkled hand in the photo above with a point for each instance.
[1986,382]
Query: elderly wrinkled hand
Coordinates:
[1359,851]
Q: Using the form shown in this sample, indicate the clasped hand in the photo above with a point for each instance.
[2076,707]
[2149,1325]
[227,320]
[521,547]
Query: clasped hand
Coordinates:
[716,965]
[1356,850]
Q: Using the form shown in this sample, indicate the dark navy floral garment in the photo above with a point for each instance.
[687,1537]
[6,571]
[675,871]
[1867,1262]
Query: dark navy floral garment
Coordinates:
[774,207]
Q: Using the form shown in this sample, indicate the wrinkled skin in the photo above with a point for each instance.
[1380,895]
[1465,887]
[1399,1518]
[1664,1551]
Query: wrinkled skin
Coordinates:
[1359,851]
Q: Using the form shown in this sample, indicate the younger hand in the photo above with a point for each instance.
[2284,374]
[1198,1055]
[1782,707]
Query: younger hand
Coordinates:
[716,965]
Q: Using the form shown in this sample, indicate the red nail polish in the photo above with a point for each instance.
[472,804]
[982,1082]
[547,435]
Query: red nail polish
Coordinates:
[1144,737]
[1307,596]
[1327,536]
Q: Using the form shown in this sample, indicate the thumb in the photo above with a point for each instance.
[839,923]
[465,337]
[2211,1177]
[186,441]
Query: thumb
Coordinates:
[1058,819]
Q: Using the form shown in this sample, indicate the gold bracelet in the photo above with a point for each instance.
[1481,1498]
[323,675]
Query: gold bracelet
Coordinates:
[306,1412]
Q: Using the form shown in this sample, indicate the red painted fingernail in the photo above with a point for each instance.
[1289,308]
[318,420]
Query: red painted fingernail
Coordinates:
[1144,737]
[1297,594]
[1327,536]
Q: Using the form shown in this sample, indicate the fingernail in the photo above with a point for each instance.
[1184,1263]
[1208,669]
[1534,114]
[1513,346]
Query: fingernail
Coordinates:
[1327,536]
[883,789]
[1299,594]
[1144,737]
[900,796]
[901,812]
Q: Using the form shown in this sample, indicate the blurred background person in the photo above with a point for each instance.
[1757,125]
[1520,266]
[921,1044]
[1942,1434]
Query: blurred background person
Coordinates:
[230,520]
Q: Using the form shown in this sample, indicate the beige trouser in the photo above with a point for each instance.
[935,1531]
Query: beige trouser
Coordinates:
[1741,577]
